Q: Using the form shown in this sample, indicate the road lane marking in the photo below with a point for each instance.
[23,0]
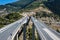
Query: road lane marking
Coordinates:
[2,30]
[52,35]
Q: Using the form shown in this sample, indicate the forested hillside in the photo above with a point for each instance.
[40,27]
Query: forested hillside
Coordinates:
[54,6]
[16,6]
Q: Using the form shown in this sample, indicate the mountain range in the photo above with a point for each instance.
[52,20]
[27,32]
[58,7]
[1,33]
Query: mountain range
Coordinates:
[18,5]
[15,6]
[54,6]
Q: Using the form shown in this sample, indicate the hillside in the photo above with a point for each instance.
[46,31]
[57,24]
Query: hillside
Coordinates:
[12,11]
[16,6]
[44,14]
[10,18]
[54,6]
[44,11]
[40,8]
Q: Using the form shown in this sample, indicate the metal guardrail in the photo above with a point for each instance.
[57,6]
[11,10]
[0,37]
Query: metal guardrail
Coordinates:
[38,29]
[20,24]
[11,34]
[43,32]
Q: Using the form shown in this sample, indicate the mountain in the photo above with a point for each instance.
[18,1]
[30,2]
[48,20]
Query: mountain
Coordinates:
[53,6]
[15,6]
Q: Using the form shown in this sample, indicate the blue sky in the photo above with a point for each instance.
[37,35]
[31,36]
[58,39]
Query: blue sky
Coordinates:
[2,2]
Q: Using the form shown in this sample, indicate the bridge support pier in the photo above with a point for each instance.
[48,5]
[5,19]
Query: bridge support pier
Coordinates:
[24,29]
[24,32]
[33,32]
[17,37]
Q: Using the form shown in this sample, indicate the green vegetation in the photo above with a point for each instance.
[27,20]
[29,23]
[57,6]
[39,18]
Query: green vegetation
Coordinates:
[54,6]
[29,33]
[58,30]
[16,6]
[3,22]
[13,7]
[12,17]
[33,5]
[50,15]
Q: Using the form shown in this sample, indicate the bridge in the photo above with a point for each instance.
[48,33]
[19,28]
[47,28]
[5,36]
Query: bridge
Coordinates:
[12,31]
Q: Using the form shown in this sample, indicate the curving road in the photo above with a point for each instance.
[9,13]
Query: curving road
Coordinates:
[8,33]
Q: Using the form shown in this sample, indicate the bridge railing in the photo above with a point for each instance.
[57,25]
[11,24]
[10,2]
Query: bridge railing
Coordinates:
[44,32]
[17,25]
[41,37]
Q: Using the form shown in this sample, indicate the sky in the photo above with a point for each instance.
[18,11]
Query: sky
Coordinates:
[2,2]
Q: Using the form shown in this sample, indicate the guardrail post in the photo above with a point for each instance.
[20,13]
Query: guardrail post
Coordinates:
[24,32]
[16,37]
[33,32]
[38,37]
[24,29]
